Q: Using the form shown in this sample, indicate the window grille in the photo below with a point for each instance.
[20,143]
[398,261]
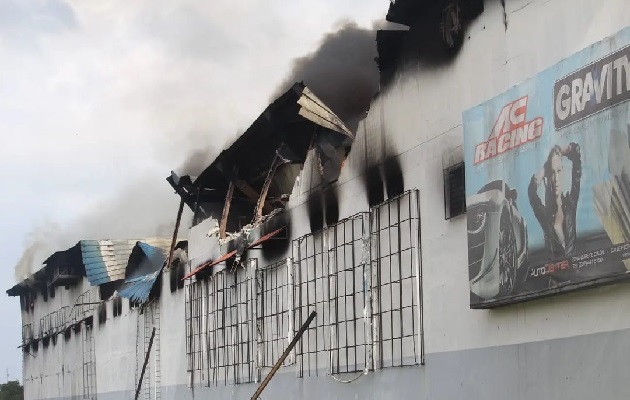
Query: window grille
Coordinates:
[397,302]
[350,280]
[311,292]
[274,312]
[362,276]
[231,329]
[195,331]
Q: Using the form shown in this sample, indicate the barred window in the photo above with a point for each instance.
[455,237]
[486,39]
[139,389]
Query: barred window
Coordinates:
[396,271]
[196,355]
[274,327]
[349,257]
[231,327]
[220,328]
[362,277]
[311,294]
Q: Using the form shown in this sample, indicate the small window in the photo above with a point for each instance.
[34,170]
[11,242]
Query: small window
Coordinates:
[102,313]
[117,305]
[454,191]
[176,276]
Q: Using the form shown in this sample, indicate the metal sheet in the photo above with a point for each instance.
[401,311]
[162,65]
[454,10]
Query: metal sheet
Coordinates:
[145,265]
[106,260]
[316,111]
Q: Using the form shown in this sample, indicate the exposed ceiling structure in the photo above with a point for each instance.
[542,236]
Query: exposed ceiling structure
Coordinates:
[256,174]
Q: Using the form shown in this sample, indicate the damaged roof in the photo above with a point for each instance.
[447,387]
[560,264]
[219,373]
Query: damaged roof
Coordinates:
[288,128]
[409,12]
[406,12]
[101,261]
[106,260]
[145,266]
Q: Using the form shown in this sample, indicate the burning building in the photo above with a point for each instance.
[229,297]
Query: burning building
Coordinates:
[439,250]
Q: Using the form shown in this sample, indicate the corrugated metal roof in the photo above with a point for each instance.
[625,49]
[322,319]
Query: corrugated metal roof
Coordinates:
[145,265]
[106,260]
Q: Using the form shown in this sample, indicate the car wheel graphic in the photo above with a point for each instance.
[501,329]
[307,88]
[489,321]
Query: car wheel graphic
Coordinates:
[507,256]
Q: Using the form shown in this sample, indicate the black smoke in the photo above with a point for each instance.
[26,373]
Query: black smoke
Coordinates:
[341,72]
[197,161]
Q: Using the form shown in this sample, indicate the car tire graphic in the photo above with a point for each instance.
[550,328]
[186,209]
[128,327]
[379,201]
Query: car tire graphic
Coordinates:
[507,256]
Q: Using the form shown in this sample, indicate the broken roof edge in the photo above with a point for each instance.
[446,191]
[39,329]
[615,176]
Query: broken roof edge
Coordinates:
[36,279]
[307,106]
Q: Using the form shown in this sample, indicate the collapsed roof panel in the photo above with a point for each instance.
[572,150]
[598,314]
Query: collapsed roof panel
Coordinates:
[107,260]
[145,266]
[101,261]
[282,135]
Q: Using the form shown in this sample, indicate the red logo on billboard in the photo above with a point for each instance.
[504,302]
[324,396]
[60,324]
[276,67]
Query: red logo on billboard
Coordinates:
[511,130]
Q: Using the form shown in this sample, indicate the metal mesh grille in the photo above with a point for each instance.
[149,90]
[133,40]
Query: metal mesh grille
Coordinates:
[230,327]
[395,266]
[311,292]
[362,276]
[195,331]
[349,261]
[273,295]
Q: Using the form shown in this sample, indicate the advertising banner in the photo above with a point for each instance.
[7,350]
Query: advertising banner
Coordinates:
[548,180]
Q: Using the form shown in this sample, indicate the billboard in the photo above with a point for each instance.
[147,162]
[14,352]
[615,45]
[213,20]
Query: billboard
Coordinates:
[548,180]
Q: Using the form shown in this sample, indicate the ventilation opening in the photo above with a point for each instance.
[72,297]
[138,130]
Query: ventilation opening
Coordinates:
[117,306]
[454,191]
[176,276]
[102,313]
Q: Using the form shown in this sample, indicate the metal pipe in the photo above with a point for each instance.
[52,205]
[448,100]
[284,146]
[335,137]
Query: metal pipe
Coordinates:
[144,366]
[177,221]
[286,353]
[417,265]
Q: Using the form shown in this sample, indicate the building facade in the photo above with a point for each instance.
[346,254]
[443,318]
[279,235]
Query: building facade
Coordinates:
[369,229]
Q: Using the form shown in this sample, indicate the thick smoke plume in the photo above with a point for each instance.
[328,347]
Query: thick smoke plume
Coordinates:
[341,72]
[196,118]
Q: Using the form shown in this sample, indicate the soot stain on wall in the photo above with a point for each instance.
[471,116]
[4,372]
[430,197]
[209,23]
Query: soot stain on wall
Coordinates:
[323,208]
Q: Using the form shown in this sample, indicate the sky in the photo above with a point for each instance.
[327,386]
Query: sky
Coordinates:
[100,100]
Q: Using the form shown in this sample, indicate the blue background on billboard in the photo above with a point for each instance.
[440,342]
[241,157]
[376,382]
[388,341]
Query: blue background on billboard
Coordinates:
[517,165]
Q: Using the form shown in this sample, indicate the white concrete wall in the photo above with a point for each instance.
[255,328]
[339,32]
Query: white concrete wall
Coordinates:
[57,367]
[421,117]
[423,113]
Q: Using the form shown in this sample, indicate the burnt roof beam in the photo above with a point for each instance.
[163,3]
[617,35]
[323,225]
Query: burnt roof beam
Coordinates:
[277,161]
[226,211]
